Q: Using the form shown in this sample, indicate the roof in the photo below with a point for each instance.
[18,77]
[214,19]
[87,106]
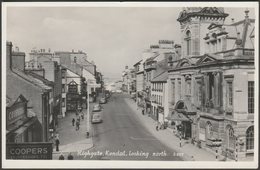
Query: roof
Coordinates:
[206,11]
[152,58]
[138,62]
[161,77]
[178,117]
[32,80]
[45,81]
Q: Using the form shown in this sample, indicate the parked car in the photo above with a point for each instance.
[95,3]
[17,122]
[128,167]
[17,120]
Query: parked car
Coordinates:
[97,108]
[102,100]
[96,117]
[119,91]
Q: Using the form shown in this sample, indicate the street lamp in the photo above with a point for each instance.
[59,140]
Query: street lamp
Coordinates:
[88,114]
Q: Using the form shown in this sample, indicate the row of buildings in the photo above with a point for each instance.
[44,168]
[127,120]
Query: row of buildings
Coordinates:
[204,87]
[45,88]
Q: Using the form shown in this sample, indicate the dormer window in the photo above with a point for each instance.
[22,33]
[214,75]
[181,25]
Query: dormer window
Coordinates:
[188,42]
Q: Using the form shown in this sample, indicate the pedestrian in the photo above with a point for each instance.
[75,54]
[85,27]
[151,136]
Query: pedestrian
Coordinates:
[157,126]
[57,142]
[73,122]
[143,111]
[77,125]
[180,141]
[70,157]
[61,157]
[82,116]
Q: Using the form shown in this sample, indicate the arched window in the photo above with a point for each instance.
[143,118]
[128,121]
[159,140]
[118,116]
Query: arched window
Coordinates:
[231,139]
[250,138]
[209,131]
[188,42]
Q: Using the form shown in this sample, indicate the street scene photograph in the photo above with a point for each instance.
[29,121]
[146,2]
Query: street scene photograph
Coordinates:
[153,84]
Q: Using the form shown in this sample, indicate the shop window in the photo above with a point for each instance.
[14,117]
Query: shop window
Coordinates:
[63,102]
[63,88]
[250,97]
[250,138]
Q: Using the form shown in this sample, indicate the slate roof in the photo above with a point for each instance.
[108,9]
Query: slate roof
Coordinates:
[161,77]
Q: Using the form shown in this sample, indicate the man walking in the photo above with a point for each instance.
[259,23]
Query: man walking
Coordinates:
[57,142]
[77,124]
[73,122]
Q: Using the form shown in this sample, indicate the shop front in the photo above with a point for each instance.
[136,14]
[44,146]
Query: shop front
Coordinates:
[20,126]
[73,101]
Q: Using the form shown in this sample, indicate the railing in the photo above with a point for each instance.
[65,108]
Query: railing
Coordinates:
[237,51]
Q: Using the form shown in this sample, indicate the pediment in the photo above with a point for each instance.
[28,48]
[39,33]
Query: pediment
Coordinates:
[206,59]
[184,63]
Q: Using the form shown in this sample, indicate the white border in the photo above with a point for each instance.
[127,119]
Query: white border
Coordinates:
[126,164]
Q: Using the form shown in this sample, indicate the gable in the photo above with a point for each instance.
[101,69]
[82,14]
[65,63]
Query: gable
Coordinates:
[183,63]
[206,59]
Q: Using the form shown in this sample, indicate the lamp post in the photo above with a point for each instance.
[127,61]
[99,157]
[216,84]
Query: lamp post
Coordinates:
[88,113]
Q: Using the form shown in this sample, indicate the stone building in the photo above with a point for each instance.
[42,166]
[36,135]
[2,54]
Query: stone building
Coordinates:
[159,92]
[33,90]
[212,85]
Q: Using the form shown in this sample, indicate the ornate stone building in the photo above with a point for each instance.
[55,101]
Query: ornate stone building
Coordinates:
[211,87]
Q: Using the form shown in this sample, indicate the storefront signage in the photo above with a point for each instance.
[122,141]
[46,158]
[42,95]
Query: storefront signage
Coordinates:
[15,113]
[29,150]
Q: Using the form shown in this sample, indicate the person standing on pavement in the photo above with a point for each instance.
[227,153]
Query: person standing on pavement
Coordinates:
[82,116]
[57,142]
[61,157]
[73,122]
[180,141]
[70,157]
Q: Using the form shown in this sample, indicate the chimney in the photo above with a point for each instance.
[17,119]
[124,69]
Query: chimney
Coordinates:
[246,12]
[18,60]
[8,56]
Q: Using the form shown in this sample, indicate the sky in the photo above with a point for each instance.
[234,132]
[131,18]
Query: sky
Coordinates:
[112,37]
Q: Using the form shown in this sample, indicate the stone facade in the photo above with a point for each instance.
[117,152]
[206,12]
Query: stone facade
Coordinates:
[216,85]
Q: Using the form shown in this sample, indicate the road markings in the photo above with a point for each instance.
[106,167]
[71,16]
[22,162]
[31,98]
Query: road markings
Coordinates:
[133,138]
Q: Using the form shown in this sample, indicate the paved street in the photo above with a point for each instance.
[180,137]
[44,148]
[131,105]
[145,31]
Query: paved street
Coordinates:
[121,136]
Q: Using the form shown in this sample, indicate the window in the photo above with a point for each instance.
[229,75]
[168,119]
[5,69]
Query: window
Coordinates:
[199,91]
[63,88]
[179,88]
[231,139]
[63,102]
[230,93]
[188,87]
[173,91]
[250,97]
[209,130]
[188,42]
[75,59]
[73,87]
[63,74]
[250,138]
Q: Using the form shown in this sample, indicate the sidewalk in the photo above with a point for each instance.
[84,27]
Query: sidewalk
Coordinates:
[169,139]
[70,139]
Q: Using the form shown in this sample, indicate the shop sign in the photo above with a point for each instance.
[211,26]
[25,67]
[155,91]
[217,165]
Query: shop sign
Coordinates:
[30,150]
[15,113]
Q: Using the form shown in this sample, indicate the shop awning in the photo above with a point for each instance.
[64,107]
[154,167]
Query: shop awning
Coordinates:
[178,117]
[25,126]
